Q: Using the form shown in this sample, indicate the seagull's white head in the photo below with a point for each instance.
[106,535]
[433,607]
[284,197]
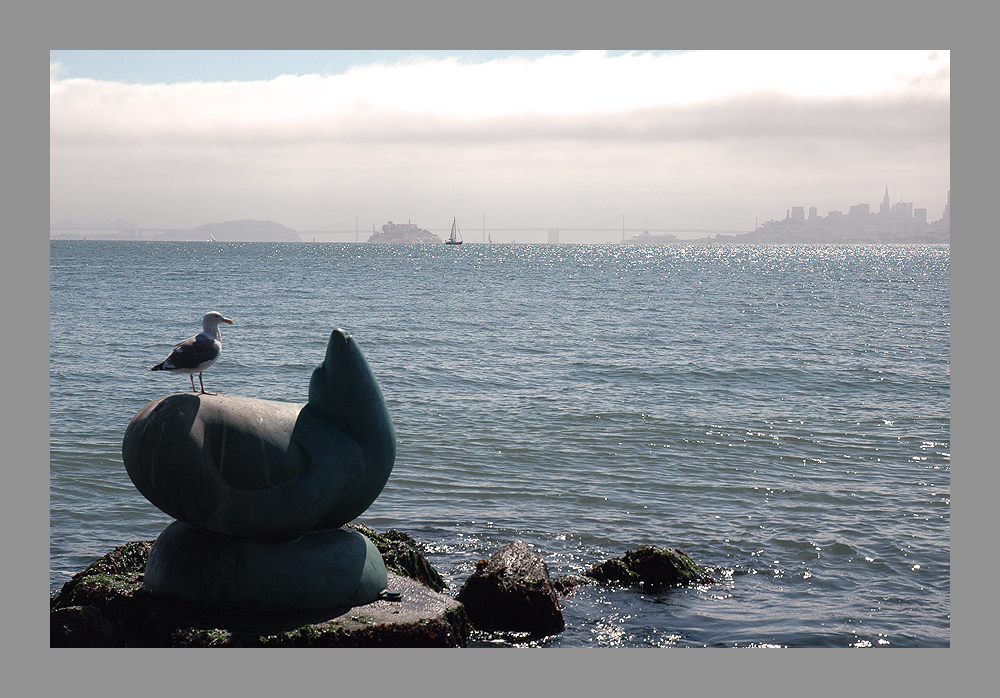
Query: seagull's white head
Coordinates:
[212,320]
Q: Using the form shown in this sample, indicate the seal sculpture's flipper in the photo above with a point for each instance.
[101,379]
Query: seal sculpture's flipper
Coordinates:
[263,470]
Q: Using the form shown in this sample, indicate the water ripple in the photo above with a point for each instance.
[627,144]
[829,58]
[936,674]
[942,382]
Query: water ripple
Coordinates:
[782,413]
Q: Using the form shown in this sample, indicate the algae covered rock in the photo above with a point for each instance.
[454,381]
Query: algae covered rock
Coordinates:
[512,591]
[565,585]
[403,555]
[653,566]
[106,605]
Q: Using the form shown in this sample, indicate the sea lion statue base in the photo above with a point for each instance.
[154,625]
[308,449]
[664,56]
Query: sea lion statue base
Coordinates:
[339,568]
[260,489]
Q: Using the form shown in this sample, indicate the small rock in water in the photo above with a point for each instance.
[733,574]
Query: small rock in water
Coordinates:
[652,566]
[565,585]
[512,591]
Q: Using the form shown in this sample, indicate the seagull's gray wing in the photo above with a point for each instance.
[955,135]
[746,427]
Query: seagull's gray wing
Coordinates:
[192,353]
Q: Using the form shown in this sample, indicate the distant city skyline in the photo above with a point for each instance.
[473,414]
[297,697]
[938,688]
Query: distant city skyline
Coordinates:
[890,217]
[706,140]
[888,213]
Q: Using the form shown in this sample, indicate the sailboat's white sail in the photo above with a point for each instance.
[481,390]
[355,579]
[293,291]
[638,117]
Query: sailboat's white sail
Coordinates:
[456,235]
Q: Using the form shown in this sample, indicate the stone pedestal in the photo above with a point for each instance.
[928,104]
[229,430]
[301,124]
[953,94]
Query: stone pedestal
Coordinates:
[107,605]
[320,570]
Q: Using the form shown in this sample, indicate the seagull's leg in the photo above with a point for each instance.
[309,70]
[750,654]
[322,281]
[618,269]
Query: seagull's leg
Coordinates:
[203,391]
[193,389]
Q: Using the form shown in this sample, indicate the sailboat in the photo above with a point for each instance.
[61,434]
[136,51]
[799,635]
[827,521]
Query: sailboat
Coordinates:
[456,234]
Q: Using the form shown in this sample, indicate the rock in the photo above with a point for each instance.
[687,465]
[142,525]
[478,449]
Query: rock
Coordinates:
[403,555]
[105,605]
[653,566]
[512,591]
[80,626]
[566,584]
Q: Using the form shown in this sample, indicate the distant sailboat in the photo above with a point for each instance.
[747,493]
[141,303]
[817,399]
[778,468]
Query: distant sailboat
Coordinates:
[456,234]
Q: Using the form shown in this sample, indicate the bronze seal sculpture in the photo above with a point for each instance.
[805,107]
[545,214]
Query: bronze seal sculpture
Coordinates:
[260,489]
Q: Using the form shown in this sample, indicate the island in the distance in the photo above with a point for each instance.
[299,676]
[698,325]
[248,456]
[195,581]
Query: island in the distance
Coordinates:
[404,233]
[242,231]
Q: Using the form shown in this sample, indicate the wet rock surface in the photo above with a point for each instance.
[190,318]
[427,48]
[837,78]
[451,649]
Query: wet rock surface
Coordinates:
[105,605]
[403,555]
[565,585]
[512,591]
[653,566]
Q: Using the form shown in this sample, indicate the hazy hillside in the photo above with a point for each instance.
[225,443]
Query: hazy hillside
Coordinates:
[243,231]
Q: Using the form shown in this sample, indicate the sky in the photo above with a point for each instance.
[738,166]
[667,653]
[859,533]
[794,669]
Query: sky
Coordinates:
[654,140]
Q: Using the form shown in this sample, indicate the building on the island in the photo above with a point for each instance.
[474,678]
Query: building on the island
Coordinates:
[798,213]
[404,233]
[400,228]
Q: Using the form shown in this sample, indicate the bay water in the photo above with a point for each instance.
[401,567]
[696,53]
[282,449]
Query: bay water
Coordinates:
[780,413]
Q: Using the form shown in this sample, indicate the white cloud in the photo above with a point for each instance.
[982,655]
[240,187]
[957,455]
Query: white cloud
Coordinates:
[429,135]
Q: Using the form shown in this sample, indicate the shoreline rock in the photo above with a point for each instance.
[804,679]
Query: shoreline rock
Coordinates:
[105,605]
[653,566]
[512,591]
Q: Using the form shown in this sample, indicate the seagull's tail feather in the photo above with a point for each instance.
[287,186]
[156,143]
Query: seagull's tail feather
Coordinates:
[158,367]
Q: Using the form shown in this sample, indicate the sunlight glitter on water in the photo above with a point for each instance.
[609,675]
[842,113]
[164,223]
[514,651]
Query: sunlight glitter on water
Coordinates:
[747,404]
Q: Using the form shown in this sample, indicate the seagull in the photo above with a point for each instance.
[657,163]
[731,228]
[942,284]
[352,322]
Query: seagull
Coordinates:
[197,353]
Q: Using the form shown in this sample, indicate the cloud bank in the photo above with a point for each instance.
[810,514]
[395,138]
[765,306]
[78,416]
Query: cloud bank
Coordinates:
[699,139]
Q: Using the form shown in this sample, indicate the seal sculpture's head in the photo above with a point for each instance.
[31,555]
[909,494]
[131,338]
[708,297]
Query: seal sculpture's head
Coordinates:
[344,391]
[266,470]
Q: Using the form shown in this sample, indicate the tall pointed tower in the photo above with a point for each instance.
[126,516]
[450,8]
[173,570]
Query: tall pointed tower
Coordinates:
[885,212]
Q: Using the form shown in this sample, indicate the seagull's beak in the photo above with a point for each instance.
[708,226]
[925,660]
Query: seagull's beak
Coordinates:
[225,319]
